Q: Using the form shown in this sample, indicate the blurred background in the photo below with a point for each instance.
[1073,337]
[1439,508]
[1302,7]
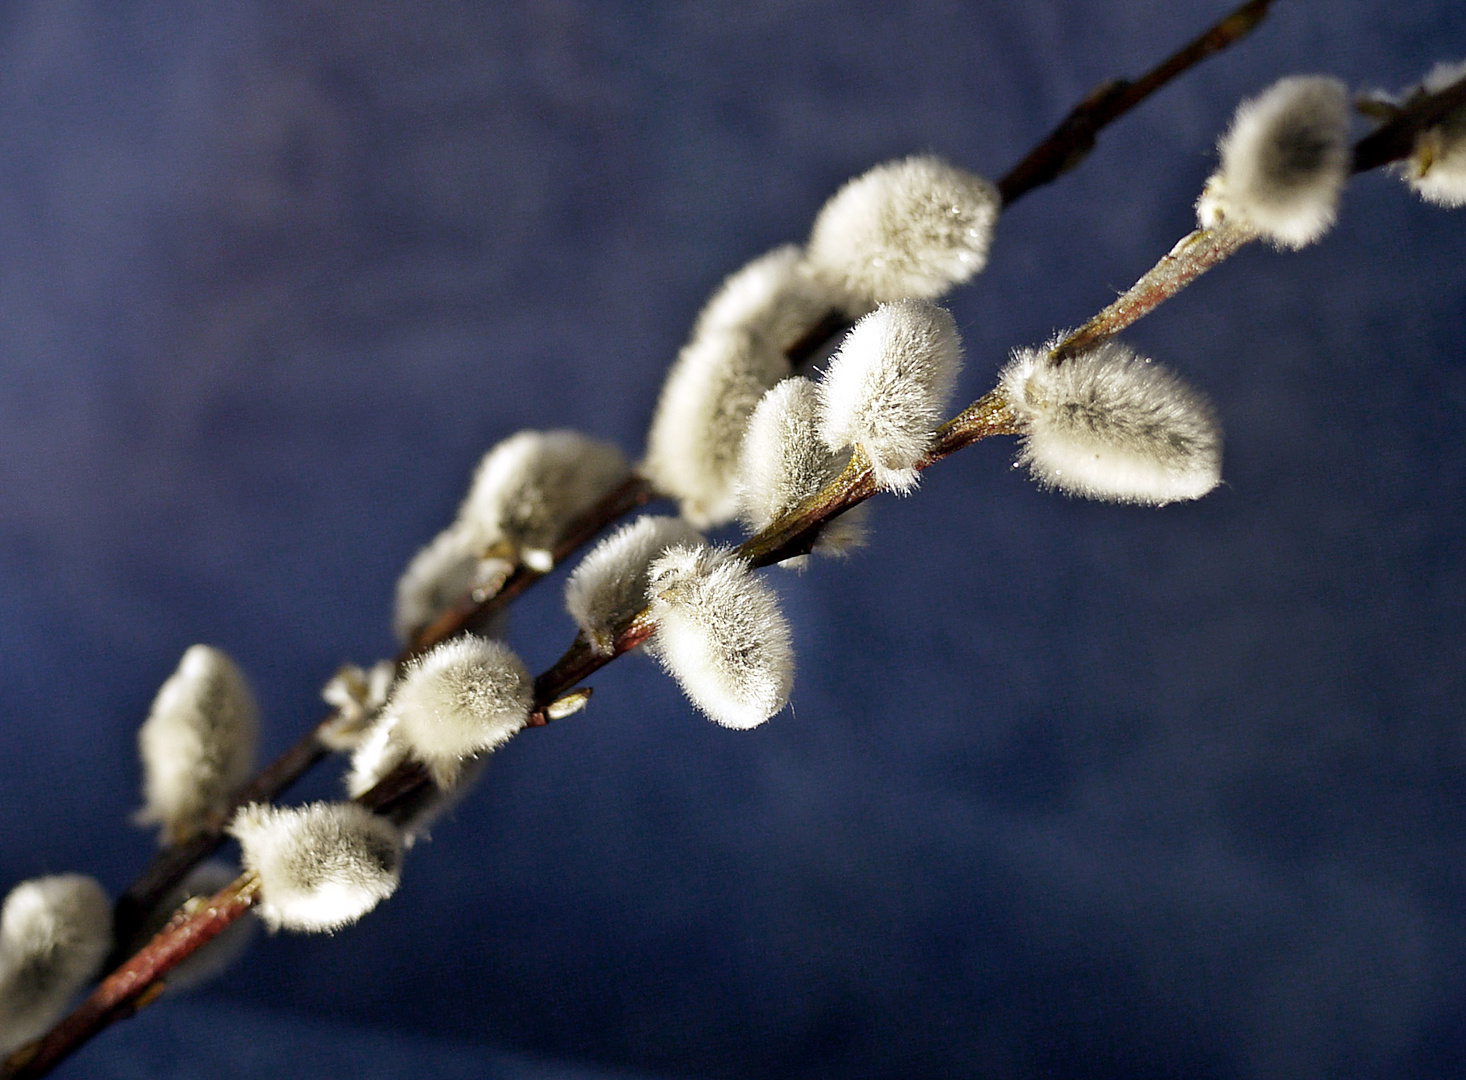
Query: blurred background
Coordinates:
[1065,789]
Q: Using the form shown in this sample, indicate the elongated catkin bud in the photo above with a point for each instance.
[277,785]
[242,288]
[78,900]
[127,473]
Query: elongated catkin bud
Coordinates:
[738,349]
[467,696]
[692,444]
[320,866]
[197,744]
[720,635]
[1111,425]
[784,461]
[609,585]
[54,934]
[909,229]
[1284,161]
[885,390]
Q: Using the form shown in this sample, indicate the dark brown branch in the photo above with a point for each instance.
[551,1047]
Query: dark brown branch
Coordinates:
[1065,147]
[1073,139]
[1394,140]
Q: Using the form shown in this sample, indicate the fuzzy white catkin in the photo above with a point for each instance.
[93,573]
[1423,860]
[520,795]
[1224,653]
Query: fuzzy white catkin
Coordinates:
[378,753]
[450,567]
[533,484]
[320,866]
[54,934]
[720,635]
[465,697]
[609,585]
[697,429]
[197,744]
[887,387]
[776,298]
[909,229]
[1437,167]
[738,349]
[1111,425]
[1284,161]
[784,461]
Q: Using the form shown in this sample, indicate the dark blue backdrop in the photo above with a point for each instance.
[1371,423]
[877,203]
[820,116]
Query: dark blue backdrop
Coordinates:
[1065,789]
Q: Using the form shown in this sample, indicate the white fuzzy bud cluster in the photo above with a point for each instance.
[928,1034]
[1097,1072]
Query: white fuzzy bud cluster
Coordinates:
[320,866]
[736,352]
[1436,169]
[1284,161]
[466,697]
[906,229]
[526,490]
[54,934]
[909,229]
[609,585]
[1111,425]
[197,744]
[887,387]
[784,461]
[720,635]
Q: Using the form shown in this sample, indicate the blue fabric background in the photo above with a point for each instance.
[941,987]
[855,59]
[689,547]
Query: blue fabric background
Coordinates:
[1065,789]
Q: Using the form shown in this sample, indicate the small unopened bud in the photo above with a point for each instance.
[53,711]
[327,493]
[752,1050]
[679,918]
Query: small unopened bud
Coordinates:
[720,635]
[609,585]
[886,388]
[54,934]
[197,744]
[1111,425]
[1284,161]
[909,229]
[320,866]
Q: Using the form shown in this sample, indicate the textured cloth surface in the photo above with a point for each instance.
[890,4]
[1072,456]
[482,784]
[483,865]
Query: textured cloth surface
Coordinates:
[1065,789]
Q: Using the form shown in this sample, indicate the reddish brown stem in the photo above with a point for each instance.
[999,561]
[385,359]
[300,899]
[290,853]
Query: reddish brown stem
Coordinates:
[1194,255]
[138,981]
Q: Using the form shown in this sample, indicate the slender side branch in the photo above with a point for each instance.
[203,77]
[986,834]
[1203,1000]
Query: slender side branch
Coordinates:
[1195,254]
[1074,138]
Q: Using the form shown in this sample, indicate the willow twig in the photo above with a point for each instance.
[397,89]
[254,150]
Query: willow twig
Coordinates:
[1070,142]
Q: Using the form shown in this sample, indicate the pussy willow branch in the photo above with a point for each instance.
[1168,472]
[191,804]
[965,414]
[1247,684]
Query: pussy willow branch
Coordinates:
[1067,145]
[407,787]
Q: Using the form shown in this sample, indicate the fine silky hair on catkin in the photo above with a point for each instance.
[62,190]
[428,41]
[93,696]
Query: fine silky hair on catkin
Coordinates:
[1111,425]
[885,391]
[907,229]
[320,866]
[720,634]
[1284,161]
[784,461]
[54,934]
[198,743]
[467,696]
[609,584]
